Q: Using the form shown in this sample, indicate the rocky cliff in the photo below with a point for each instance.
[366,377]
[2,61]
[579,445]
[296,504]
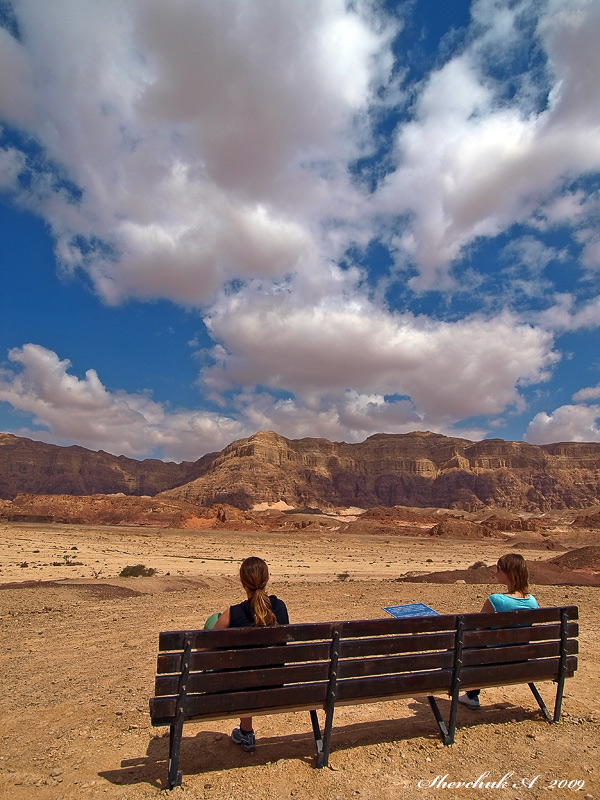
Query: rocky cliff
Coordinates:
[39,468]
[416,469]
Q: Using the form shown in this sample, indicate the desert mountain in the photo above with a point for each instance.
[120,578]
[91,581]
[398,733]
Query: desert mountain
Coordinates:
[420,469]
[39,468]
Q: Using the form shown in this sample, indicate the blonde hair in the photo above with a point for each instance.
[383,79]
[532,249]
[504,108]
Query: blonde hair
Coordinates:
[515,568]
[254,575]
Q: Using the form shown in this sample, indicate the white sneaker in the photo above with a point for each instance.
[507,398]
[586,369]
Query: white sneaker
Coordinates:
[470,702]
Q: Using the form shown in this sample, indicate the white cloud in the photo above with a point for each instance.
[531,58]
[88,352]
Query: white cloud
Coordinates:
[588,393]
[449,370]
[11,164]
[435,373]
[590,257]
[529,254]
[16,85]
[208,140]
[569,423]
[563,209]
[470,163]
[566,315]
[82,410]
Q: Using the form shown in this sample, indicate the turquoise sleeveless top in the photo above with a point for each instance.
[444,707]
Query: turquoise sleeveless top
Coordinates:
[502,602]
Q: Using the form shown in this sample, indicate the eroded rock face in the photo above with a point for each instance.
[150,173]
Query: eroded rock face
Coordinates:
[39,468]
[418,469]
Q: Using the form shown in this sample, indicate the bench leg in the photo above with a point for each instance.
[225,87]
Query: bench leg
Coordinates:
[541,703]
[323,758]
[317,734]
[447,733]
[174,776]
[558,701]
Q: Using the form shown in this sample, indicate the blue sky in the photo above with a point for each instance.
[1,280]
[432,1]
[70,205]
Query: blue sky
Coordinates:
[322,218]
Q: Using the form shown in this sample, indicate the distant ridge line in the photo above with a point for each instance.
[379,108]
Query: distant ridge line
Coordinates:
[420,469]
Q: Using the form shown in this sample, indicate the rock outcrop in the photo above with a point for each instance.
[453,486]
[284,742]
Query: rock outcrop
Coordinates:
[101,509]
[39,468]
[417,469]
[587,521]
[464,529]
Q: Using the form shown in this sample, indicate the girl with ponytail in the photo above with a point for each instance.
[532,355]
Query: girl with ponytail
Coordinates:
[261,610]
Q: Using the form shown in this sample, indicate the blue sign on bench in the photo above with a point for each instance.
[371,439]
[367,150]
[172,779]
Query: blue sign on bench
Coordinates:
[411,610]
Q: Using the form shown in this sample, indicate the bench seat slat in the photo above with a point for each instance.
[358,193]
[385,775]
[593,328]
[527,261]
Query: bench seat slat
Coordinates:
[520,652]
[394,664]
[390,645]
[499,674]
[308,695]
[250,657]
[390,626]
[243,679]
[351,691]
[533,633]
[530,616]
[171,662]
[240,680]
[405,684]
[239,637]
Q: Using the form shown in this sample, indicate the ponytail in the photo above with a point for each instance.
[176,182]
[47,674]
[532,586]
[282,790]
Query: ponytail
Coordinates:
[254,575]
[263,612]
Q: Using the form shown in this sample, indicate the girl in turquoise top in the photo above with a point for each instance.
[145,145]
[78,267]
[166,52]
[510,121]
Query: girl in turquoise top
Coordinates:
[511,570]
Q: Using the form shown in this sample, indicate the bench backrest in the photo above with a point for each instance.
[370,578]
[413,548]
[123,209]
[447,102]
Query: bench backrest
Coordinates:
[252,670]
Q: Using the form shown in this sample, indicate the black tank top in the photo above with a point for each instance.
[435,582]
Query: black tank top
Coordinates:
[242,616]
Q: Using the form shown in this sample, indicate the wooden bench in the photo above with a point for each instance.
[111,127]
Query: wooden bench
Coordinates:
[207,675]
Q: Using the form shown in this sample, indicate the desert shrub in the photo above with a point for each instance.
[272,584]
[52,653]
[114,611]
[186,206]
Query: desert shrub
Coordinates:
[137,571]
[343,576]
[69,562]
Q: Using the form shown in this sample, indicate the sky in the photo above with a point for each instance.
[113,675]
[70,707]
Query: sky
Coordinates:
[323,218]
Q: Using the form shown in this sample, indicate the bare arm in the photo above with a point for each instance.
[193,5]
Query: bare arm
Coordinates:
[223,621]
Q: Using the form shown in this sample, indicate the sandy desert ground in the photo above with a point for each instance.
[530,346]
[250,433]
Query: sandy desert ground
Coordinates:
[79,651]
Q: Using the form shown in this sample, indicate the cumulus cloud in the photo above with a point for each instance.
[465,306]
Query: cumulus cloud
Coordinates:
[83,410]
[403,396]
[576,422]
[209,142]
[202,142]
[470,163]
[449,370]
[569,423]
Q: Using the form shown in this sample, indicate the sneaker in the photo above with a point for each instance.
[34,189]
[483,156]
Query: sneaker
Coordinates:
[245,740]
[470,702]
